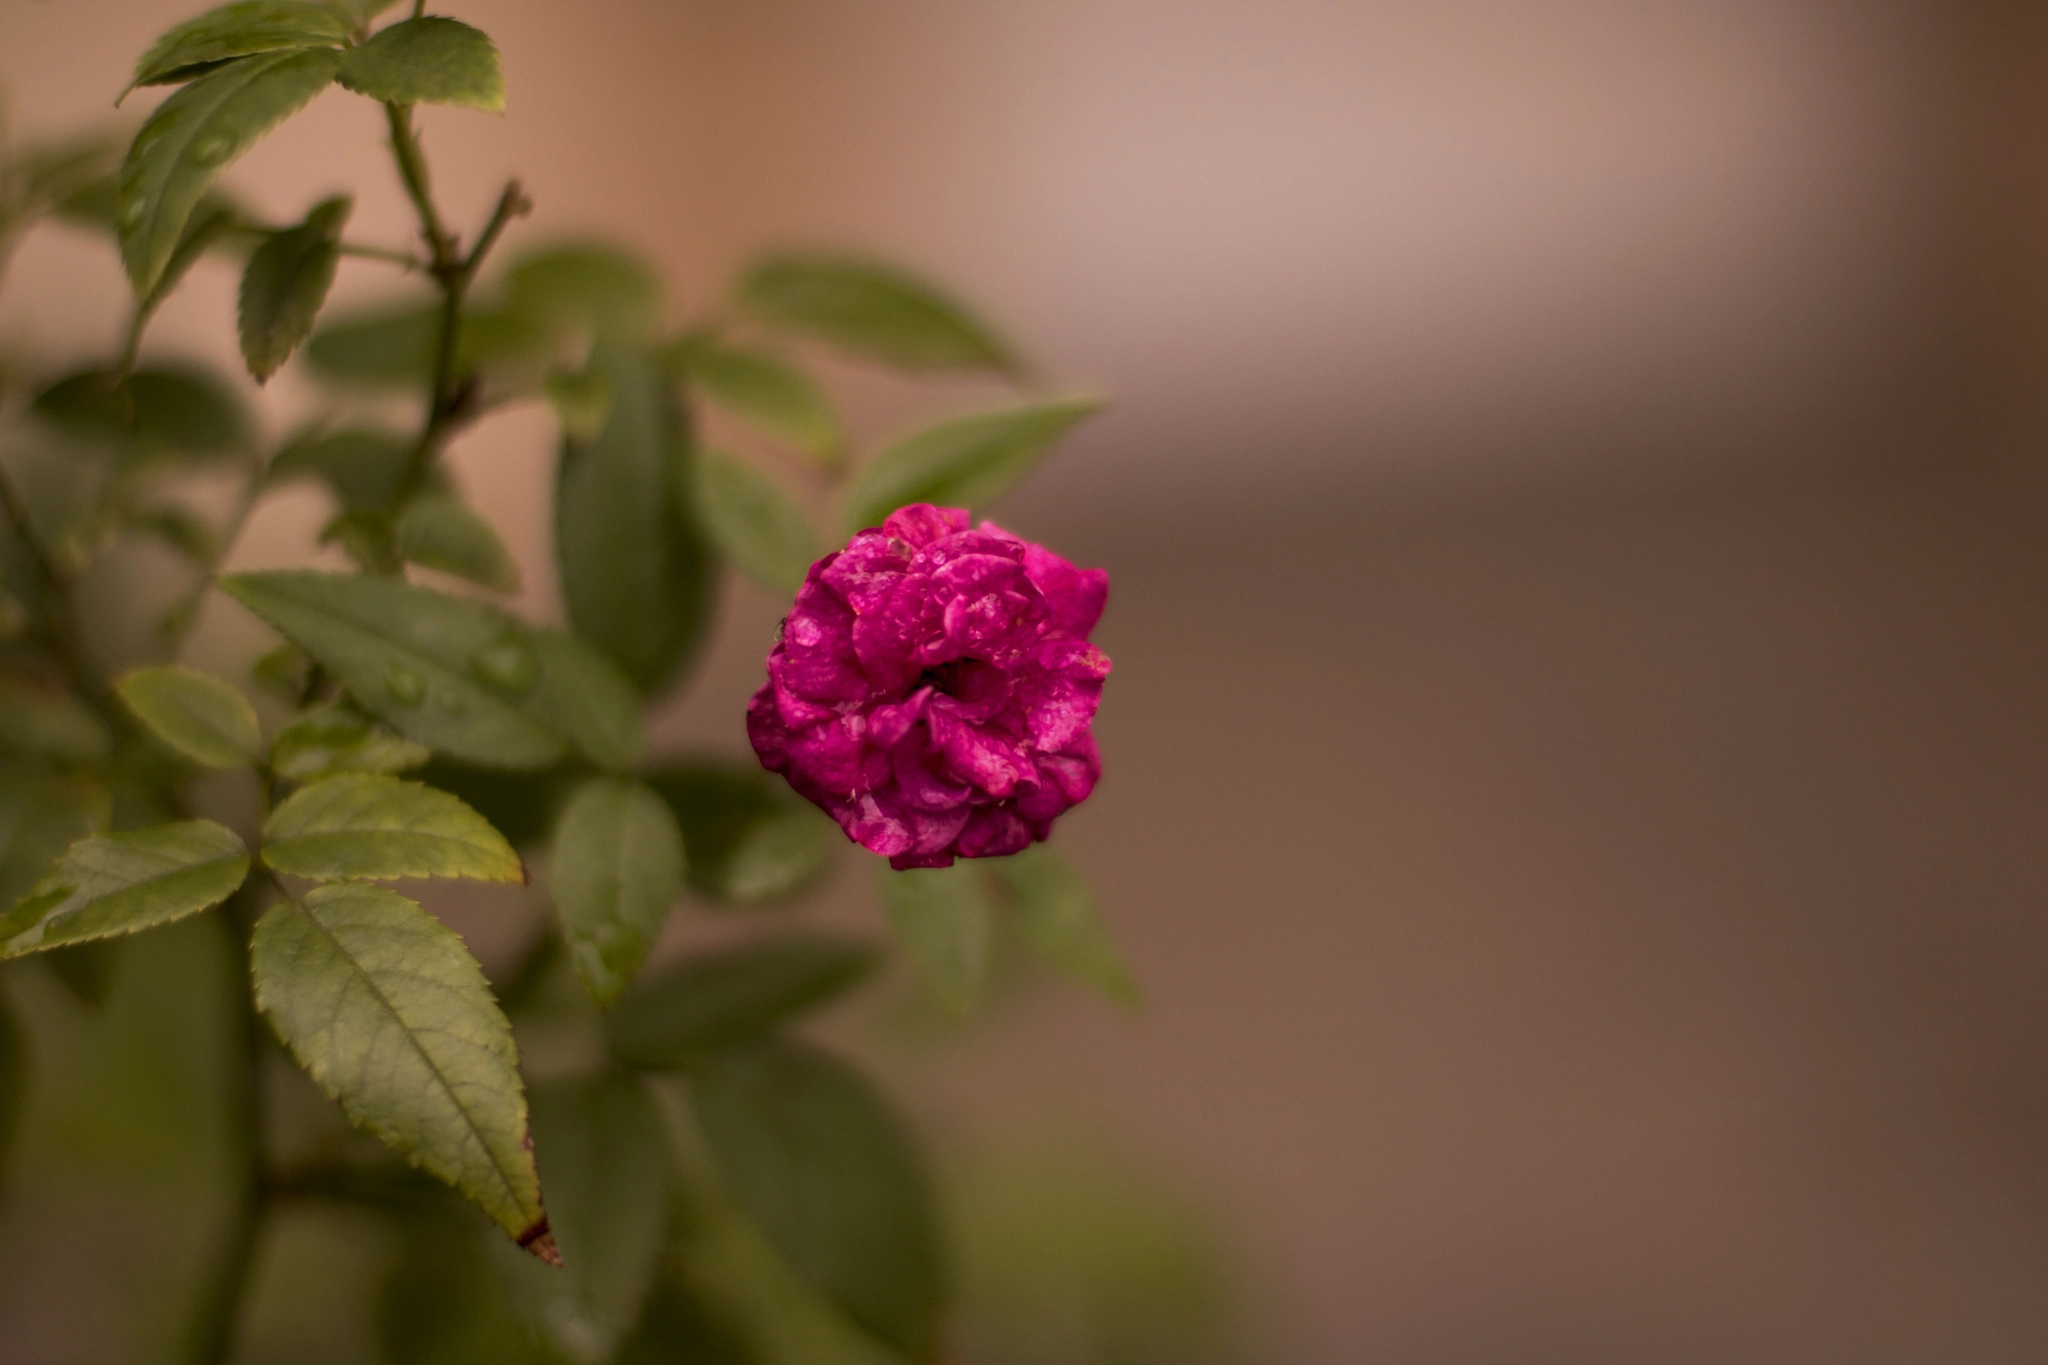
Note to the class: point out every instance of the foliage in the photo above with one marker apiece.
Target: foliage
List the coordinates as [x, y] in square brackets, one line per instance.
[788, 1192]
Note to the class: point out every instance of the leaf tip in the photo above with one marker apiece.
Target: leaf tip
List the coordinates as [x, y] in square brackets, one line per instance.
[540, 1240]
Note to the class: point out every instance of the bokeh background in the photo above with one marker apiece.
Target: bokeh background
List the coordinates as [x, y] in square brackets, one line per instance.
[1575, 497]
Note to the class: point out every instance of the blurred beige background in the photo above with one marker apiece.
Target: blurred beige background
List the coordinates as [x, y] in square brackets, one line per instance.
[1574, 499]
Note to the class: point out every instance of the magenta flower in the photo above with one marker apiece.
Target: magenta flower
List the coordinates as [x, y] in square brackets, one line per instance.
[933, 688]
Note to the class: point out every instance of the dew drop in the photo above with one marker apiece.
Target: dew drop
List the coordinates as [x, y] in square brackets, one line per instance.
[134, 211]
[211, 151]
[507, 664]
[406, 687]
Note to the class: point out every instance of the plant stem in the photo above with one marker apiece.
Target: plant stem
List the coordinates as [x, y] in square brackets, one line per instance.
[211, 1339]
[185, 614]
[448, 402]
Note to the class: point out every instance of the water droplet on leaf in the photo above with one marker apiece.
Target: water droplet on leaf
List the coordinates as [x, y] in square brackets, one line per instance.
[211, 151]
[507, 664]
[405, 685]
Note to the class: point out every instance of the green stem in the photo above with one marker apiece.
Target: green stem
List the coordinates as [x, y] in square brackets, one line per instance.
[185, 614]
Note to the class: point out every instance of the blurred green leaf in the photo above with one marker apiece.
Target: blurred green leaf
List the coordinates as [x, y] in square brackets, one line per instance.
[751, 841]
[108, 884]
[243, 29]
[465, 678]
[333, 739]
[364, 468]
[427, 61]
[872, 310]
[41, 815]
[766, 390]
[441, 1303]
[730, 995]
[357, 826]
[440, 531]
[812, 1151]
[592, 285]
[197, 714]
[195, 133]
[616, 871]
[603, 1152]
[944, 918]
[675, 1328]
[177, 528]
[637, 575]
[282, 671]
[965, 462]
[207, 228]
[285, 283]
[1059, 919]
[582, 402]
[754, 523]
[393, 347]
[387, 1010]
[160, 412]
[368, 538]
[46, 722]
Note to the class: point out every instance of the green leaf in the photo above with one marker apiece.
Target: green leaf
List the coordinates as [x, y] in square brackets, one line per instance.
[198, 715]
[616, 871]
[966, 462]
[751, 841]
[178, 528]
[394, 347]
[441, 531]
[944, 918]
[363, 468]
[244, 29]
[427, 61]
[463, 677]
[282, 672]
[582, 402]
[285, 283]
[590, 285]
[730, 995]
[765, 390]
[603, 1149]
[816, 1156]
[368, 826]
[754, 523]
[520, 806]
[157, 413]
[333, 739]
[873, 310]
[637, 575]
[195, 133]
[44, 722]
[1060, 921]
[445, 1299]
[42, 814]
[387, 1010]
[110, 884]
[208, 225]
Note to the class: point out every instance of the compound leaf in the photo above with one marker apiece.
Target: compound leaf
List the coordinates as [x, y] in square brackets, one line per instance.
[460, 676]
[616, 871]
[387, 1010]
[965, 462]
[812, 1151]
[872, 310]
[108, 884]
[285, 283]
[200, 716]
[195, 133]
[358, 826]
[431, 60]
[754, 523]
[944, 918]
[730, 995]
